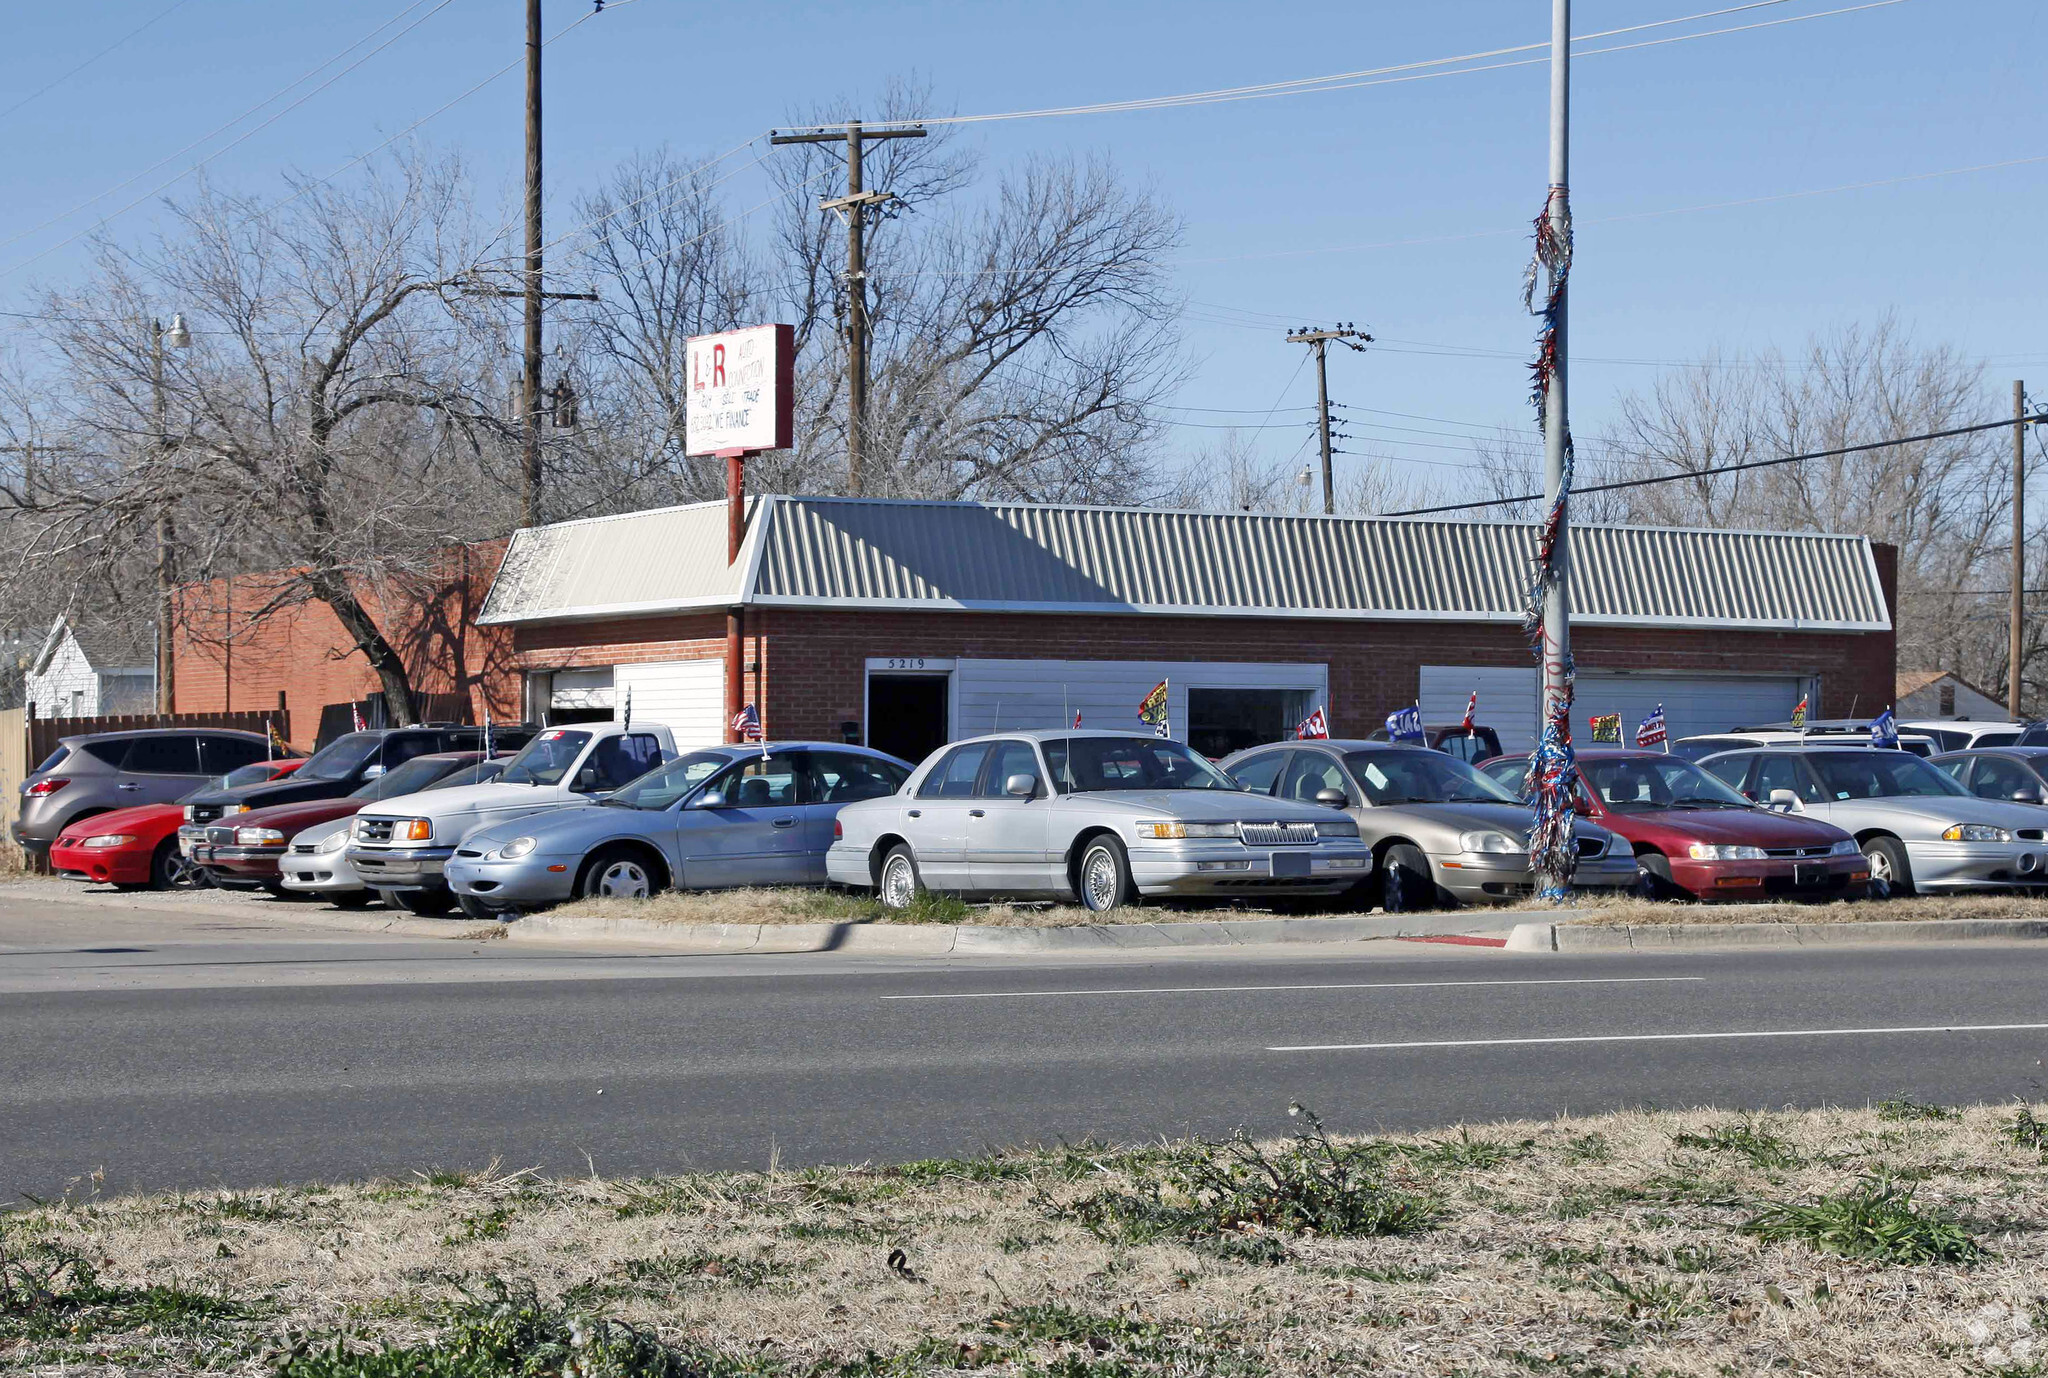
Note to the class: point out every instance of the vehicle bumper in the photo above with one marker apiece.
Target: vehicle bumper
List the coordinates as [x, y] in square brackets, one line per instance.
[240, 865]
[103, 865]
[317, 873]
[1231, 868]
[35, 844]
[846, 865]
[1491, 877]
[1771, 878]
[400, 868]
[1977, 865]
[537, 879]
[191, 837]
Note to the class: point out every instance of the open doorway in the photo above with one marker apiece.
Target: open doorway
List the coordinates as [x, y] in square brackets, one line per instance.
[907, 715]
[1221, 721]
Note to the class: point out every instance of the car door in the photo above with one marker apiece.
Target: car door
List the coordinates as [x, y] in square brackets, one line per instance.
[1258, 774]
[160, 768]
[937, 818]
[1310, 773]
[2004, 779]
[1006, 833]
[839, 778]
[1776, 770]
[755, 835]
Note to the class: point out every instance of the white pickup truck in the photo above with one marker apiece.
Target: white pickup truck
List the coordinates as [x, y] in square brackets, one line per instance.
[399, 846]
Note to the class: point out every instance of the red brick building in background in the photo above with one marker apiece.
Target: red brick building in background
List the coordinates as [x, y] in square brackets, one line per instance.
[228, 659]
[907, 624]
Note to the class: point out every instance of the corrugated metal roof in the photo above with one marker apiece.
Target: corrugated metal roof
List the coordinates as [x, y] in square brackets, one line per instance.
[840, 552]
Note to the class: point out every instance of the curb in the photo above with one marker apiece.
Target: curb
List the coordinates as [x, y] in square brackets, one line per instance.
[1568, 937]
[395, 925]
[939, 940]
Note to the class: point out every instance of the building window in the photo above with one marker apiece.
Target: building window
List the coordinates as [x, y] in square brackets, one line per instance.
[1948, 700]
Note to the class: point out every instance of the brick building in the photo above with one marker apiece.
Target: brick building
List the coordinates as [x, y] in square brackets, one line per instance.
[906, 624]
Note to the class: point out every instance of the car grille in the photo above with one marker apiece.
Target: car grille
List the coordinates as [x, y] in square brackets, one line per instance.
[2030, 834]
[1591, 846]
[466, 851]
[1821, 850]
[302, 849]
[1277, 834]
[206, 813]
[221, 837]
[373, 830]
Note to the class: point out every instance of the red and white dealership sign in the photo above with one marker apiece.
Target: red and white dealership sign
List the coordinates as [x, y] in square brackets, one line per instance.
[742, 387]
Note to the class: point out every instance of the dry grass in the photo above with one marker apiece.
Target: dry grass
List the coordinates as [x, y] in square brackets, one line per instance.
[784, 906]
[1604, 1246]
[1627, 909]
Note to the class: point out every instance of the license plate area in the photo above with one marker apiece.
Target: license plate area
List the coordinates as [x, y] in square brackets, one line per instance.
[1809, 875]
[1290, 865]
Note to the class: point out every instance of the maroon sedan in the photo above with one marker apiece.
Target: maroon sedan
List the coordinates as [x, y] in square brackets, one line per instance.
[1694, 837]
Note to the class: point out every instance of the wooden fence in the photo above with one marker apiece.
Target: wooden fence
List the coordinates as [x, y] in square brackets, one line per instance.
[14, 764]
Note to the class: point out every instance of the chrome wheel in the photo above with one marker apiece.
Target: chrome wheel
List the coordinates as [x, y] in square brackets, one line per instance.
[624, 879]
[899, 881]
[1880, 865]
[1101, 879]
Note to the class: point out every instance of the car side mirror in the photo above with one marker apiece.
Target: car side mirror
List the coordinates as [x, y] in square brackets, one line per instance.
[586, 780]
[1023, 786]
[709, 799]
[2025, 795]
[1331, 798]
[1582, 806]
[372, 771]
[1785, 801]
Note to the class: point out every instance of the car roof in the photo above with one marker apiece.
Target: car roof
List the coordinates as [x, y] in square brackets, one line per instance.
[128, 732]
[1605, 753]
[1043, 734]
[1964, 752]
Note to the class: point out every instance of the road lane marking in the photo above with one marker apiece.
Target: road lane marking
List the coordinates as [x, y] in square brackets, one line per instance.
[1649, 1038]
[1349, 985]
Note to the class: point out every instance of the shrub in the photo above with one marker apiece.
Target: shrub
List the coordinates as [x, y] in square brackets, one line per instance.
[1876, 1221]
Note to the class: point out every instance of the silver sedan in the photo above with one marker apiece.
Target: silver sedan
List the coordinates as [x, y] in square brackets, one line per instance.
[725, 816]
[1099, 817]
[1441, 830]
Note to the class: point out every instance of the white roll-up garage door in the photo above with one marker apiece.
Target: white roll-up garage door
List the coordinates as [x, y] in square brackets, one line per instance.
[686, 696]
[1692, 703]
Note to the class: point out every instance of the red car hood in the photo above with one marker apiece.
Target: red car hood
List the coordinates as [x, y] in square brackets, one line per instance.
[1750, 827]
[291, 818]
[150, 822]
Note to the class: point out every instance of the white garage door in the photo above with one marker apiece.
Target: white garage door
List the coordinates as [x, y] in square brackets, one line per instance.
[685, 696]
[1692, 703]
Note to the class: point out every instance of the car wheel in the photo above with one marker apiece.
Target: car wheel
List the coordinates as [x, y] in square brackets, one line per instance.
[1406, 884]
[1653, 876]
[474, 908]
[1891, 875]
[1104, 876]
[169, 870]
[616, 875]
[899, 884]
[431, 904]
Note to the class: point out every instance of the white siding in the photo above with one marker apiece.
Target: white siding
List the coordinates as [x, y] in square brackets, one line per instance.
[1693, 704]
[1507, 699]
[991, 695]
[685, 696]
[128, 692]
[67, 686]
[1925, 702]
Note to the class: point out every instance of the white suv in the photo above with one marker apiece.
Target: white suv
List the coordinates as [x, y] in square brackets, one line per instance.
[399, 846]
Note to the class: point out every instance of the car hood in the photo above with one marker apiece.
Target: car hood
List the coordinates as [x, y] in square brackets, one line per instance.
[292, 789]
[137, 819]
[1450, 819]
[1198, 805]
[566, 827]
[481, 800]
[290, 818]
[1938, 811]
[1741, 827]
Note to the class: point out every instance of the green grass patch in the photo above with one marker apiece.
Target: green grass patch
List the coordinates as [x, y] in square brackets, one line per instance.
[1899, 1108]
[1746, 1139]
[1877, 1220]
[2027, 1132]
[53, 1300]
[1467, 1153]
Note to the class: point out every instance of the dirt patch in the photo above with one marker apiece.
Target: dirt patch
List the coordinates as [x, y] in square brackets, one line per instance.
[1901, 1239]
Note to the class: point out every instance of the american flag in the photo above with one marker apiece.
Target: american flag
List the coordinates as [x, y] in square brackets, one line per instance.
[746, 724]
[356, 716]
[1077, 717]
[1315, 725]
[1471, 711]
[1650, 731]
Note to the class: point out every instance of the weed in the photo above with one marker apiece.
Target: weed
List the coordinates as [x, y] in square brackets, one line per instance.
[991, 1167]
[1763, 1148]
[1655, 1305]
[929, 906]
[490, 1224]
[851, 1232]
[1899, 1108]
[1087, 1345]
[1588, 1148]
[1875, 1221]
[1391, 1275]
[2027, 1132]
[1467, 1152]
[50, 1292]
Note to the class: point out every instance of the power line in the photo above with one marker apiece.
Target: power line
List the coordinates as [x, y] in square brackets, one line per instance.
[55, 82]
[2036, 419]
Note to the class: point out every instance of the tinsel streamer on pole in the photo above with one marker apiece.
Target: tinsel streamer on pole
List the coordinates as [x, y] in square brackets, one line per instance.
[1553, 768]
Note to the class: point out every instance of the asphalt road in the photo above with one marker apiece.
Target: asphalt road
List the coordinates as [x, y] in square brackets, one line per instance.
[162, 1051]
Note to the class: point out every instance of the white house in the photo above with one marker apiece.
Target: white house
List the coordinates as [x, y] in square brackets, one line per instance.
[1926, 694]
[89, 674]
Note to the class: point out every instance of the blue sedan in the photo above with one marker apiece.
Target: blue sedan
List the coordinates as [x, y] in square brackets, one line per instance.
[716, 818]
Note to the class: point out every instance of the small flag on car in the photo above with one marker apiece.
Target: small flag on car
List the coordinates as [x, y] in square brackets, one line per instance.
[279, 748]
[1471, 712]
[1651, 732]
[1077, 717]
[746, 724]
[1314, 726]
[1884, 730]
[1799, 714]
[1607, 728]
[1405, 725]
[1152, 709]
[356, 716]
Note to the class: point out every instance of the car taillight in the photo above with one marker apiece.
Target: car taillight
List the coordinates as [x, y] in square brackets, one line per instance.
[838, 830]
[43, 787]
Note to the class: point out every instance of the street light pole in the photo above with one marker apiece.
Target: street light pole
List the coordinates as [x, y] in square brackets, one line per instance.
[177, 337]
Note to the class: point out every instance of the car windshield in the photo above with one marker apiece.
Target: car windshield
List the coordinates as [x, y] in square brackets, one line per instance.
[1640, 784]
[663, 785]
[1411, 775]
[1083, 765]
[545, 759]
[482, 773]
[410, 778]
[340, 758]
[1877, 773]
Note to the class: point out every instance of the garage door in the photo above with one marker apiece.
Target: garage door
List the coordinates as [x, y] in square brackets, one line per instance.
[685, 696]
[1692, 703]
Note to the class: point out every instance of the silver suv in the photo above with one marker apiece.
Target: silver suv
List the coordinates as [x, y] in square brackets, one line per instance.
[102, 771]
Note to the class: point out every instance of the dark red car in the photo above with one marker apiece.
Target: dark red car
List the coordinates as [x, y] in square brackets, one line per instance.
[1696, 838]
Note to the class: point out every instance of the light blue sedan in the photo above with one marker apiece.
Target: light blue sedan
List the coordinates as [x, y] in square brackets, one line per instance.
[721, 817]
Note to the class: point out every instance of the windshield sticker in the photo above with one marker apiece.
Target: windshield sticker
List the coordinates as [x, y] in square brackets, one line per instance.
[552, 736]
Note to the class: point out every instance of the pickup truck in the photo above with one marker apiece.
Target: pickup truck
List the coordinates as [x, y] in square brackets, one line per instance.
[399, 846]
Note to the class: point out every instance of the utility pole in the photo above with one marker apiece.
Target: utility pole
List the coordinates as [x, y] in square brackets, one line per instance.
[1319, 340]
[854, 206]
[2017, 629]
[530, 400]
[178, 337]
[1557, 635]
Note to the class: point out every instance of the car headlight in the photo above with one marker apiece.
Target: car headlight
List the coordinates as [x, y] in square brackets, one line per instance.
[1974, 832]
[234, 808]
[258, 837]
[1494, 842]
[412, 830]
[189, 814]
[1726, 851]
[1338, 827]
[1176, 828]
[516, 848]
[1846, 847]
[109, 840]
[331, 843]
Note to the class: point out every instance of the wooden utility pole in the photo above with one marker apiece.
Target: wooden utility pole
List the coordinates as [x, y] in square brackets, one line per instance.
[1319, 340]
[2016, 631]
[854, 206]
[530, 399]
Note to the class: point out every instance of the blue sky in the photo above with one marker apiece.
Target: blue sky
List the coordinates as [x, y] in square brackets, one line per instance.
[1398, 206]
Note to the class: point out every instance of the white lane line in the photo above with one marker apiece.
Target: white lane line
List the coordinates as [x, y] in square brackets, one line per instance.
[1649, 1038]
[1353, 985]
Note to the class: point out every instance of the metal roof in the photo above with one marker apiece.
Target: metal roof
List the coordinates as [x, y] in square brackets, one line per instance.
[1014, 557]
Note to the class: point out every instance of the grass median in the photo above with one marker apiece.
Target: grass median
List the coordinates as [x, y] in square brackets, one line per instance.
[1900, 1239]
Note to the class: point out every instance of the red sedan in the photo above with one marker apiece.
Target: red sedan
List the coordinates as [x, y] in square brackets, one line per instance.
[137, 849]
[1696, 838]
